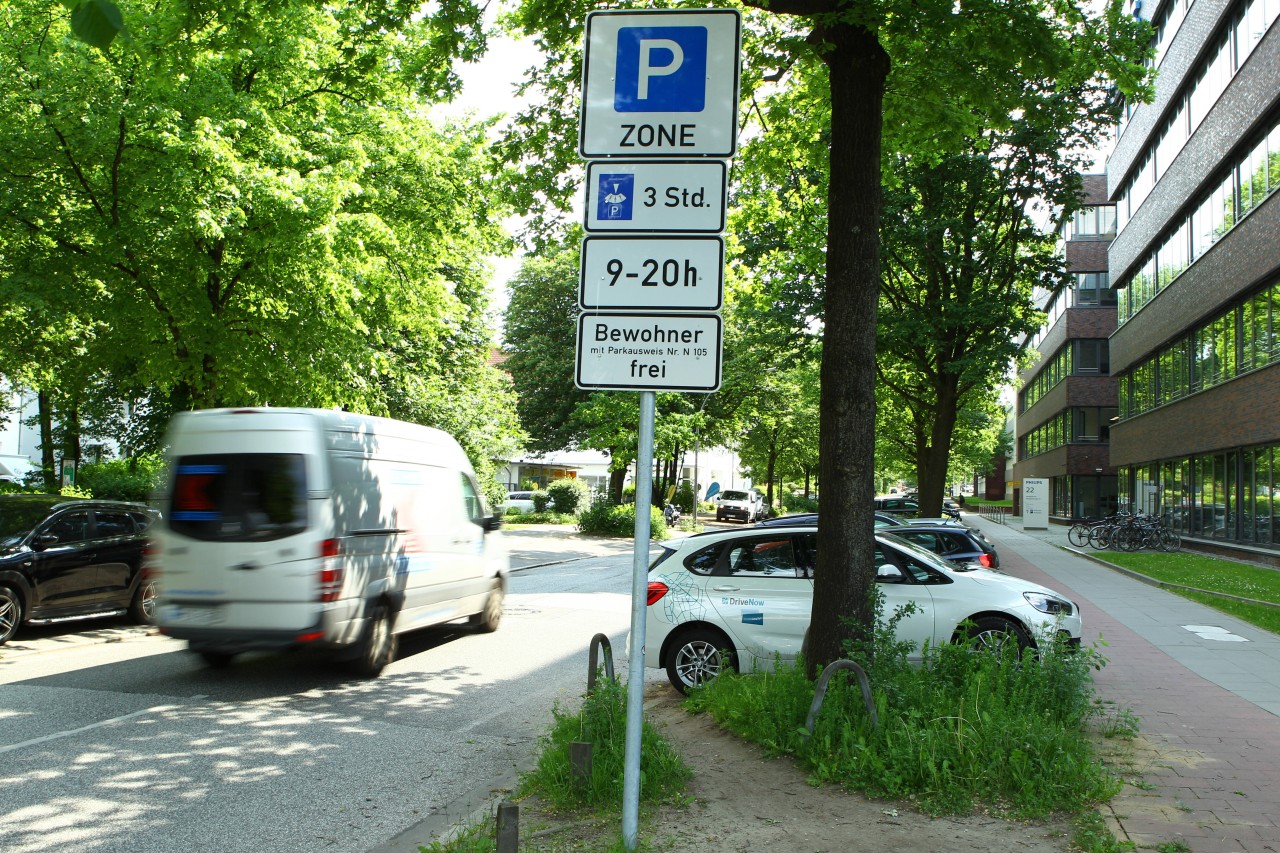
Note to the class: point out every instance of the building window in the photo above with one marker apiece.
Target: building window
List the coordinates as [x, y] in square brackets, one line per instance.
[1093, 223]
[1092, 357]
[1094, 288]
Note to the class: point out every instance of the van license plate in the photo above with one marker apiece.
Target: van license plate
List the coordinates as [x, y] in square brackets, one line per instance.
[191, 614]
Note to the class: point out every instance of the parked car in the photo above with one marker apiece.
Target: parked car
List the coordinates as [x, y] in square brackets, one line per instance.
[62, 557]
[736, 599]
[895, 505]
[953, 542]
[519, 502]
[882, 519]
[747, 506]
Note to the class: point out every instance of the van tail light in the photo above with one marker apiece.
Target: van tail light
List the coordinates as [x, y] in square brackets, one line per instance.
[657, 589]
[984, 560]
[331, 570]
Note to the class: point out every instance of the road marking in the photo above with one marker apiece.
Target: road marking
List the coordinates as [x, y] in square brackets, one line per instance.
[90, 727]
[1213, 632]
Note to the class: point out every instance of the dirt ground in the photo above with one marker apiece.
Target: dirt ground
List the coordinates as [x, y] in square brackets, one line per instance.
[739, 800]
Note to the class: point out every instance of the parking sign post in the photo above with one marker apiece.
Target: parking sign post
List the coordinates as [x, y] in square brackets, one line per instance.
[659, 118]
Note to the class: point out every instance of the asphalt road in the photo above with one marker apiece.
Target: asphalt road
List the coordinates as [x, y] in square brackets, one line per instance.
[117, 739]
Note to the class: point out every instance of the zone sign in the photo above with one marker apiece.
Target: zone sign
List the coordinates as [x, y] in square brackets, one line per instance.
[661, 84]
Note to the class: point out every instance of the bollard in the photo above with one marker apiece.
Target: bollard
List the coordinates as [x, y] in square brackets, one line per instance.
[580, 762]
[597, 642]
[821, 692]
[508, 827]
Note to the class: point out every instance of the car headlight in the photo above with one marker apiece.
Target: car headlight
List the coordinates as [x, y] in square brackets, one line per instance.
[1050, 604]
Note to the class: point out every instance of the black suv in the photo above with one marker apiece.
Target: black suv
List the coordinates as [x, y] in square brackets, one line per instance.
[62, 557]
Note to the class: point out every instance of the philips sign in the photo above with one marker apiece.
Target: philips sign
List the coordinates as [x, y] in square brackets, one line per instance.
[650, 87]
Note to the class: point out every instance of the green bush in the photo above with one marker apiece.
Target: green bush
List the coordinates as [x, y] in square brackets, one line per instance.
[684, 497]
[799, 503]
[603, 519]
[122, 479]
[541, 501]
[568, 495]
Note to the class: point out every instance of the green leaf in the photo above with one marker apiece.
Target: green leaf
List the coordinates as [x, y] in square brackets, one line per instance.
[97, 22]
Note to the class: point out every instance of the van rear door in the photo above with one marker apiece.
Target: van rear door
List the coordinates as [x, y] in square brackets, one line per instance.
[243, 533]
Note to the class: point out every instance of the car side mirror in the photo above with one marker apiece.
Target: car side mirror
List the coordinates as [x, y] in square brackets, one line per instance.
[43, 541]
[889, 572]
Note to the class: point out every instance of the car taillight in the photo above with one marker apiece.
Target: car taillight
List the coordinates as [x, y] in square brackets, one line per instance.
[331, 570]
[984, 560]
[150, 559]
[657, 589]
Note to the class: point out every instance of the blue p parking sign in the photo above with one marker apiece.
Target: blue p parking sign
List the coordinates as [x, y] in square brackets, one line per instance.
[661, 83]
[661, 69]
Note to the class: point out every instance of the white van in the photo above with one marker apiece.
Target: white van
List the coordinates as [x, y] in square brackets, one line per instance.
[308, 528]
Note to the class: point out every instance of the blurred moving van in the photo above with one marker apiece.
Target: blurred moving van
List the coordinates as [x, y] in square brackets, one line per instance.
[309, 528]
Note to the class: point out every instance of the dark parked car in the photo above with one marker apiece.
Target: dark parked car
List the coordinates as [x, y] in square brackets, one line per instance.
[63, 557]
[948, 539]
[806, 518]
[952, 542]
[908, 508]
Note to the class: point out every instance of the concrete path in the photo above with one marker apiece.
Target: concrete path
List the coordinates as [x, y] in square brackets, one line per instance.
[1204, 686]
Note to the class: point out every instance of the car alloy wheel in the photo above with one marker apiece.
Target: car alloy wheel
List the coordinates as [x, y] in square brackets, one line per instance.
[994, 634]
[10, 613]
[698, 657]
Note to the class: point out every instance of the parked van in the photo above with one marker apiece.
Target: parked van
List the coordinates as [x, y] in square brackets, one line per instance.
[307, 528]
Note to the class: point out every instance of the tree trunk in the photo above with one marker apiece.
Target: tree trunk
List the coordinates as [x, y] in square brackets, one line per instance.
[858, 67]
[617, 479]
[71, 429]
[44, 414]
[933, 463]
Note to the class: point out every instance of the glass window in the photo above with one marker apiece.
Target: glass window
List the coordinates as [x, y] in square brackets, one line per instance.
[107, 524]
[239, 497]
[69, 527]
[763, 558]
[704, 561]
[474, 503]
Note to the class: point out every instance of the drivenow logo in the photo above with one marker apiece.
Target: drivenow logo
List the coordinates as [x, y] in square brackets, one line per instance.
[661, 69]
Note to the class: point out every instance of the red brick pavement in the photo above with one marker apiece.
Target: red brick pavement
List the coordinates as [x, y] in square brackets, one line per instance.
[1206, 761]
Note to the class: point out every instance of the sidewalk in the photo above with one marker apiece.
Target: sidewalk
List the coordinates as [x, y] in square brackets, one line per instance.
[1204, 686]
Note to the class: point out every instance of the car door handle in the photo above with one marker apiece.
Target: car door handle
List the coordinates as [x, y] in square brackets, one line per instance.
[725, 588]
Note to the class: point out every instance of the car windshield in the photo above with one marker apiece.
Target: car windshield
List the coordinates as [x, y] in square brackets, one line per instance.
[17, 518]
[734, 496]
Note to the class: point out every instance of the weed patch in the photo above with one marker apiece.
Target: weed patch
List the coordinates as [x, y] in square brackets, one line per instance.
[964, 728]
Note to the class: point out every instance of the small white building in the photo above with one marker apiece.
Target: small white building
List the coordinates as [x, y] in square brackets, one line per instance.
[19, 442]
[704, 467]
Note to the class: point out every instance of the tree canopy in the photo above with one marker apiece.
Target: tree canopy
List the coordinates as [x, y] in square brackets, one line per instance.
[249, 203]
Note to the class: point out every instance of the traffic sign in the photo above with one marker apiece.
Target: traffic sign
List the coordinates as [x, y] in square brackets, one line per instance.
[656, 195]
[660, 84]
[671, 272]
[648, 352]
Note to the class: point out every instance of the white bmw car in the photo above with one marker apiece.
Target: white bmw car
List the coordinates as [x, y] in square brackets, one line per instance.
[750, 593]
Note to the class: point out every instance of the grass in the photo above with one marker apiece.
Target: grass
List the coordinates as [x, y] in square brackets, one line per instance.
[1211, 574]
[963, 730]
[579, 800]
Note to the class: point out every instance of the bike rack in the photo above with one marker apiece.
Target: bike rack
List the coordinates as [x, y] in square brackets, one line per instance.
[821, 692]
[593, 661]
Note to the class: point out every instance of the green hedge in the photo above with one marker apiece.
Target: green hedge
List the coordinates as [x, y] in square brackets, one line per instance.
[603, 519]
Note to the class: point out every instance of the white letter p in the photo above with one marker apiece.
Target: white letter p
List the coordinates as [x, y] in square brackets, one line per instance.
[647, 46]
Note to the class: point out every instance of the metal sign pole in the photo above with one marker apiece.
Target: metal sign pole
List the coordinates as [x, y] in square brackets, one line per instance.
[639, 605]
